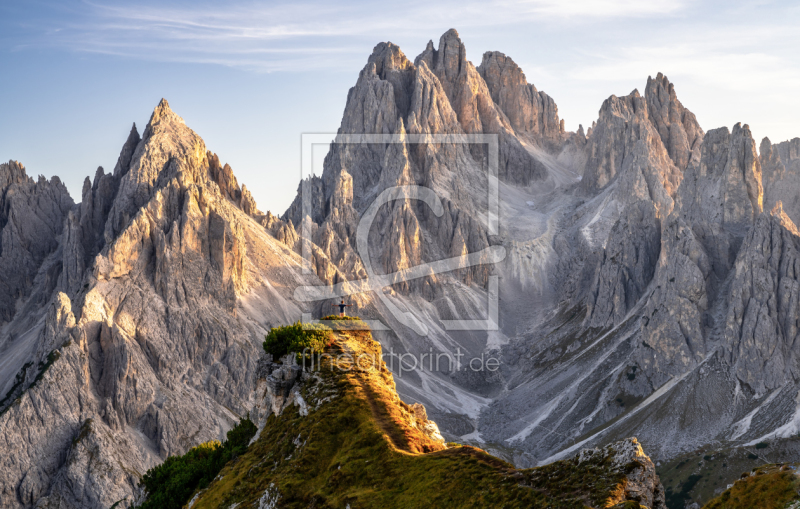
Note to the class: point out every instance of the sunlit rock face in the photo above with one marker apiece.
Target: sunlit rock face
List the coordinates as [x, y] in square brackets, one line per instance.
[138, 316]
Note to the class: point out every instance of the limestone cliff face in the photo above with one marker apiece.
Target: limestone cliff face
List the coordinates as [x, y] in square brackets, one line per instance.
[761, 325]
[676, 125]
[718, 202]
[627, 160]
[626, 148]
[528, 110]
[131, 337]
[628, 264]
[32, 217]
[440, 93]
[780, 164]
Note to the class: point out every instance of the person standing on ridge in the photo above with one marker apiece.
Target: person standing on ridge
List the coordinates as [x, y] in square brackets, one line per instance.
[342, 307]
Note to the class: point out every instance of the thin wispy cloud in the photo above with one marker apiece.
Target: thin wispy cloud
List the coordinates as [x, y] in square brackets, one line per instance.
[739, 58]
[291, 36]
[597, 9]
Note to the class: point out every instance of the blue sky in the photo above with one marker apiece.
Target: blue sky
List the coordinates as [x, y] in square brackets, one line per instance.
[250, 77]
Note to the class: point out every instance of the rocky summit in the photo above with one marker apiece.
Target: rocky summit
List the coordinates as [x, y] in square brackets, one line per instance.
[640, 278]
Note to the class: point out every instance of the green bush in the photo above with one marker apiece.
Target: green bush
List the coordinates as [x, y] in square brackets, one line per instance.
[171, 484]
[296, 338]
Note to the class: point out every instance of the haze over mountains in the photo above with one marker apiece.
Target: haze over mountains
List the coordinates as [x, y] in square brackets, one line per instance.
[650, 285]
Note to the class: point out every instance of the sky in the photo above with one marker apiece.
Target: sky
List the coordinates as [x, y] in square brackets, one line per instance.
[251, 77]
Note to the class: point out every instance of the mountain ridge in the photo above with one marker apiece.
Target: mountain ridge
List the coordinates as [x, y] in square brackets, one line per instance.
[388, 454]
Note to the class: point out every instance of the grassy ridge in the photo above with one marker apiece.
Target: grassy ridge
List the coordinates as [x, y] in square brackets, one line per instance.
[767, 487]
[358, 446]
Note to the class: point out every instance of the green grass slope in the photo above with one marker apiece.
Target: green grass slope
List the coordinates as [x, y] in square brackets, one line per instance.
[774, 486]
[358, 447]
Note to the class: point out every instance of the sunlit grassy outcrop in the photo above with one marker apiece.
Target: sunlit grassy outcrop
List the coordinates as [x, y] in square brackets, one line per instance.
[767, 487]
[360, 446]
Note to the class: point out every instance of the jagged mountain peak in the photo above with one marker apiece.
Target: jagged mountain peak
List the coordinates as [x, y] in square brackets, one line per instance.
[625, 142]
[388, 56]
[451, 54]
[392, 65]
[12, 172]
[163, 111]
[450, 46]
[528, 110]
[138, 289]
[125, 155]
[32, 216]
[168, 149]
[677, 126]
[621, 105]
[164, 119]
[510, 73]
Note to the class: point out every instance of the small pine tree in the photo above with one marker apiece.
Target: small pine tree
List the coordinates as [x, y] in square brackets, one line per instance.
[172, 483]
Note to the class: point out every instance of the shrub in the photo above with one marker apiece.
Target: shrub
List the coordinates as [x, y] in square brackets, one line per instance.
[347, 323]
[296, 338]
[171, 484]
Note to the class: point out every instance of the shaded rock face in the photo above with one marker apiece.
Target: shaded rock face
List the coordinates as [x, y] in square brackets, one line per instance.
[761, 324]
[628, 265]
[780, 164]
[642, 483]
[677, 126]
[723, 194]
[32, 217]
[628, 167]
[718, 201]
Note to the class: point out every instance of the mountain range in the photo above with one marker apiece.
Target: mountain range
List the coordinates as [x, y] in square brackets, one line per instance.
[640, 278]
